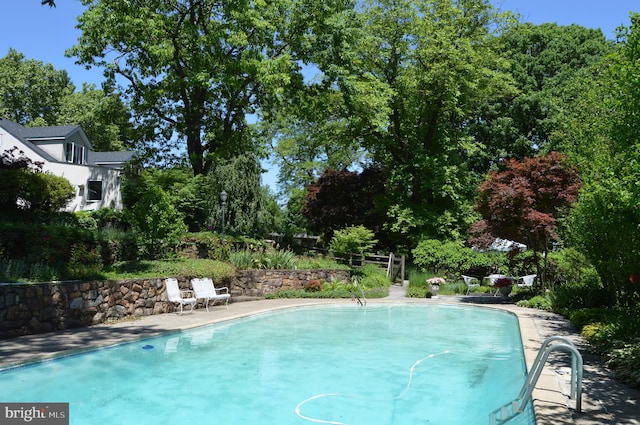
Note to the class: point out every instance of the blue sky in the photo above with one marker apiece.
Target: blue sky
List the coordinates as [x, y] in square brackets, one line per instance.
[44, 33]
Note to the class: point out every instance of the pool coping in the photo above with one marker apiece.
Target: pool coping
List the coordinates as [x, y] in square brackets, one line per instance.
[550, 396]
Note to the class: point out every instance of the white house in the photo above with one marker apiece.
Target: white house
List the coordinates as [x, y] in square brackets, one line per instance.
[66, 151]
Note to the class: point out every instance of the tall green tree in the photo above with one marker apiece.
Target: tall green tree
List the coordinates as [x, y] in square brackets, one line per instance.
[102, 115]
[543, 60]
[249, 206]
[36, 94]
[195, 70]
[308, 135]
[30, 91]
[605, 224]
[435, 61]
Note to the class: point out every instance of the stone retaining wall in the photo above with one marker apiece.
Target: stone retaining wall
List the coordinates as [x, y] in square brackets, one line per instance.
[258, 283]
[47, 307]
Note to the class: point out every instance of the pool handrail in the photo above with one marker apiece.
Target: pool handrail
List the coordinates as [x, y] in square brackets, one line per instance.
[508, 411]
[362, 300]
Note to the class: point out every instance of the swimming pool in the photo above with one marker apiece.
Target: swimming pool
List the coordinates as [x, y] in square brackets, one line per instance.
[384, 364]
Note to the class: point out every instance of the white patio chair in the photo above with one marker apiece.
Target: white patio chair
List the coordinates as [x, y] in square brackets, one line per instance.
[204, 289]
[527, 281]
[176, 295]
[468, 280]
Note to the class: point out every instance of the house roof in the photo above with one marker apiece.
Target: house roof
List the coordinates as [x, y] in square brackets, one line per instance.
[52, 132]
[21, 133]
[106, 158]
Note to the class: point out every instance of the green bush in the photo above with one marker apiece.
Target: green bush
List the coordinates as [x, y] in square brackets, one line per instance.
[419, 288]
[152, 215]
[371, 279]
[576, 296]
[614, 332]
[451, 258]
[568, 266]
[352, 241]
[20, 270]
[85, 262]
[586, 316]
[272, 259]
[418, 292]
[625, 361]
[371, 276]
[539, 301]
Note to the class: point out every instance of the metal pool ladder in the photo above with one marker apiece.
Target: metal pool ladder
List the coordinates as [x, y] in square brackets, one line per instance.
[362, 300]
[560, 343]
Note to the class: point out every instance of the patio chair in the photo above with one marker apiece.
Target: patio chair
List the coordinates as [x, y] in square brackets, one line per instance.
[177, 295]
[527, 281]
[468, 281]
[203, 288]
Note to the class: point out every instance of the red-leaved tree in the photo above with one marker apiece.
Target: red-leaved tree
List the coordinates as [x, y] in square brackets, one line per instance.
[524, 201]
[339, 199]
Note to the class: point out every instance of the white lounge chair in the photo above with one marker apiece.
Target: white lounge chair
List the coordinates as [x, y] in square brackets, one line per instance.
[468, 280]
[203, 288]
[177, 295]
[527, 281]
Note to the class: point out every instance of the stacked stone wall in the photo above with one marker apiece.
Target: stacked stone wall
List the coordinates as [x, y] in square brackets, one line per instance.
[47, 307]
[259, 283]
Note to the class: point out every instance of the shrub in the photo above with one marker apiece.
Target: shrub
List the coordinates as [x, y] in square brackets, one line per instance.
[540, 302]
[85, 262]
[568, 266]
[273, 259]
[453, 259]
[371, 276]
[20, 270]
[352, 241]
[153, 216]
[576, 296]
[418, 292]
[312, 286]
[600, 335]
[586, 316]
[625, 361]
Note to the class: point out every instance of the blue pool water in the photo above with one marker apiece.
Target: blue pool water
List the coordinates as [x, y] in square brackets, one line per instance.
[379, 365]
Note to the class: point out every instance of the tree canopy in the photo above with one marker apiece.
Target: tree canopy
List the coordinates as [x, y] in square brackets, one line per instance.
[36, 94]
[605, 115]
[194, 71]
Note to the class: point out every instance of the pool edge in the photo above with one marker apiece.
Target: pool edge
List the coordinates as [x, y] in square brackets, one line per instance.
[549, 401]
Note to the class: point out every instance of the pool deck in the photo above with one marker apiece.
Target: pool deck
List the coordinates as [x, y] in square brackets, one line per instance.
[604, 400]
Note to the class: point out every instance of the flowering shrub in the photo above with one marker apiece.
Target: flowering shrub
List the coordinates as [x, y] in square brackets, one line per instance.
[436, 281]
[313, 285]
[503, 281]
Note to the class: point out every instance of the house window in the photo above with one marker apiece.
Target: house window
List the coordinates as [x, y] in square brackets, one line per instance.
[68, 152]
[78, 157]
[94, 190]
[74, 153]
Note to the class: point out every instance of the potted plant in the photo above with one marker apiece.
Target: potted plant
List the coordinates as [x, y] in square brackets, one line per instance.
[434, 284]
[504, 285]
